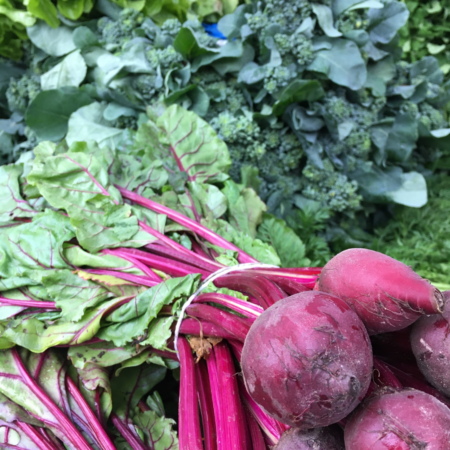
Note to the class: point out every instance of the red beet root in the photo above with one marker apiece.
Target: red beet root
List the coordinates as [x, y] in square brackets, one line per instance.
[307, 360]
[385, 293]
[430, 340]
[399, 420]
[317, 439]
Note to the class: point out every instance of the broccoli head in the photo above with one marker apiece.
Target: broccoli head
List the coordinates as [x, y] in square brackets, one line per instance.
[115, 34]
[21, 92]
[332, 189]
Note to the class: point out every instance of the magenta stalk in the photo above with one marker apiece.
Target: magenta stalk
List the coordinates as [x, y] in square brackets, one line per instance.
[206, 406]
[229, 322]
[73, 435]
[36, 437]
[232, 416]
[189, 433]
[98, 432]
[202, 231]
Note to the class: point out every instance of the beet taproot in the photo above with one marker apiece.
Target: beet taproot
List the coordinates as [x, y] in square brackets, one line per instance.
[386, 294]
[329, 438]
[430, 341]
[307, 360]
[399, 420]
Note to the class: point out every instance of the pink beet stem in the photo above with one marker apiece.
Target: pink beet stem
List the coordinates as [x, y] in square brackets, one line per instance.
[216, 316]
[73, 435]
[172, 268]
[217, 401]
[248, 309]
[189, 421]
[102, 438]
[36, 437]
[232, 416]
[202, 231]
[202, 328]
[256, 435]
[206, 406]
[131, 438]
[266, 292]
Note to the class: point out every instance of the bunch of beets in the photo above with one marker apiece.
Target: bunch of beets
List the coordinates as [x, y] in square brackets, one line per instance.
[351, 356]
[358, 362]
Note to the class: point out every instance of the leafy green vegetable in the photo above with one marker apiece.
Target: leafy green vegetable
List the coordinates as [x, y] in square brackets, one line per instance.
[426, 32]
[419, 237]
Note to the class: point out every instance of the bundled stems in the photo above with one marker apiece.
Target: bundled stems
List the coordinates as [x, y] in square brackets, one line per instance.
[216, 316]
[256, 436]
[189, 421]
[73, 435]
[100, 435]
[217, 401]
[134, 441]
[197, 228]
[259, 287]
[171, 267]
[245, 308]
[233, 419]
[203, 328]
[35, 436]
[206, 406]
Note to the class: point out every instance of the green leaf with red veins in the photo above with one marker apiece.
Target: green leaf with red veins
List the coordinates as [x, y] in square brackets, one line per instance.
[72, 293]
[11, 411]
[132, 384]
[132, 320]
[72, 180]
[208, 199]
[13, 386]
[88, 381]
[104, 354]
[79, 258]
[11, 436]
[39, 244]
[37, 336]
[4, 342]
[194, 145]
[149, 357]
[49, 371]
[13, 205]
[157, 431]
[82, 188]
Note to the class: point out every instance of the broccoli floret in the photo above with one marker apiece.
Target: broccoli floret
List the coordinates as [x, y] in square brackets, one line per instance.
[21, 92]
[283, 42]
[258, 21]
[431, 117]
[289, 14]
[302, 48]
[359, 142]
[171, 27]
[352, 20]
[337, 107]
[410, 108]
[116, 34]
[145, 85]
[276, 78]
[126, 122]
[163, 58]
[330, 188]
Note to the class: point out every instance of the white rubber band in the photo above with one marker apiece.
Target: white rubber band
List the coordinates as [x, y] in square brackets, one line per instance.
[211, 278]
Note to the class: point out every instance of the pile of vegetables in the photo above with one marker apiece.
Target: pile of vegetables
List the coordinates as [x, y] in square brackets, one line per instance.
[306, 133]
[147, 301]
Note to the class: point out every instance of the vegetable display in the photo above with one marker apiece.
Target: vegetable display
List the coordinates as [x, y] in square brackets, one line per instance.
[107, 319]
[224, 225]
[304, 131]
